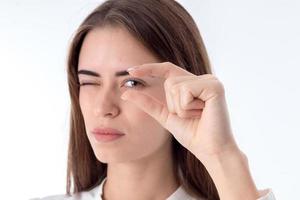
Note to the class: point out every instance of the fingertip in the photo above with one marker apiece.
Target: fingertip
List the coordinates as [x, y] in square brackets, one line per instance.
[124, 96]
[130, 69]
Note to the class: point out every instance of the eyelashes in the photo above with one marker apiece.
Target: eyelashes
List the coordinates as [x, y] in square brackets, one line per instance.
[136, 82]
[139, 83]
[83, 84]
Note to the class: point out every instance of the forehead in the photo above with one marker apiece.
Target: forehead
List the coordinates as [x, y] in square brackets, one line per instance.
[112, 49]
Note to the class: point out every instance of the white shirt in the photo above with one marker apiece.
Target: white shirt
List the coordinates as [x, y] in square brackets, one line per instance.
[179, 194]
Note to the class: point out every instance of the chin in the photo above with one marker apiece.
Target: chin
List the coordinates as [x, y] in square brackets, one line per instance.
[108, 156]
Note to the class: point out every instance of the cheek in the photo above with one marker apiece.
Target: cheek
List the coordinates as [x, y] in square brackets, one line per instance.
[84, 103]
[153, 133]
[144, 127]
[85, 95]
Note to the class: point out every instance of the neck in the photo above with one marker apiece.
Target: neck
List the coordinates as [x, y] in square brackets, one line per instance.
[150, 177]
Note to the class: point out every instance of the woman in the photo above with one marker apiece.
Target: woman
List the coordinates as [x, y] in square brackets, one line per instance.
[159, 130]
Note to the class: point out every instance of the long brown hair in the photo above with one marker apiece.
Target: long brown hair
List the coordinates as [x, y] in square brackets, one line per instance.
[169, 32]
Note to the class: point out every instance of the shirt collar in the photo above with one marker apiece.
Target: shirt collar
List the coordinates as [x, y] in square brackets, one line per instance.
[179, 194]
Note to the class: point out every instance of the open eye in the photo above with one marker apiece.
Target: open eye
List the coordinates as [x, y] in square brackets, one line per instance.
[134, 83]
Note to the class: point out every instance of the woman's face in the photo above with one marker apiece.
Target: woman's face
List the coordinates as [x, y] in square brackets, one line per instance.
[106, 51]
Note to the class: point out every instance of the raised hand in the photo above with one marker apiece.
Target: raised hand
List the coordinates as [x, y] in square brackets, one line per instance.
[195, 110]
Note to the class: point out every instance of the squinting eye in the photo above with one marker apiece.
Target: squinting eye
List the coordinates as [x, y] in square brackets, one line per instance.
[83, 84]
[133, 82]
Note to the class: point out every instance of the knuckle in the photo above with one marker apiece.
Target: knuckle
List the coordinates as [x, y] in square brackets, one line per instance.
[169, 82]
[167, 63]
[213, 77]
[219, 87]
[207, 76]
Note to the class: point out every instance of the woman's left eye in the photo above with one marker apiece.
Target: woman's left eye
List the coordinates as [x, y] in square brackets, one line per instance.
[133, 83]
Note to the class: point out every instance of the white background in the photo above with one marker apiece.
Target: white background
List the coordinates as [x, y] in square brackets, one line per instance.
[254, 48]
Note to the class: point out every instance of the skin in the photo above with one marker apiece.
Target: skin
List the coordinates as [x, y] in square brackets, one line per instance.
[143, 155]
[176, 103]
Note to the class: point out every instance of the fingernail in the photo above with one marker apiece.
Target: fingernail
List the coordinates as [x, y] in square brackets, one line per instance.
[131, 69]
[124, 96]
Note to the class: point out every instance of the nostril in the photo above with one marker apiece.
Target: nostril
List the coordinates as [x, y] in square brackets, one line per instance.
[106, 111]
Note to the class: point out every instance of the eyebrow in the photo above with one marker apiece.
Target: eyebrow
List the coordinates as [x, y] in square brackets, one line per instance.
[92, 73]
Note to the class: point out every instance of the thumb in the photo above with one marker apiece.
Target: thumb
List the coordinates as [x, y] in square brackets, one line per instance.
[148, 104]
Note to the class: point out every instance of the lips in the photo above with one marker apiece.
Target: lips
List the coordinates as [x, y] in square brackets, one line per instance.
[105, 135]
[107, 131]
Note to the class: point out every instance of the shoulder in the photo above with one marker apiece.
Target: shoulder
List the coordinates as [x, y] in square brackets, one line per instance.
[85, 195]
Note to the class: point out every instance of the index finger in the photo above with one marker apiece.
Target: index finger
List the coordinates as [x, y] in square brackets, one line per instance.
[162, 70]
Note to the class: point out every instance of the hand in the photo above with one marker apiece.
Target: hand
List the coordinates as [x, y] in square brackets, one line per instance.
[195, 111]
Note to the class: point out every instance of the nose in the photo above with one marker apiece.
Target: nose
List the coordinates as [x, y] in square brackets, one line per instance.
[106, 104]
